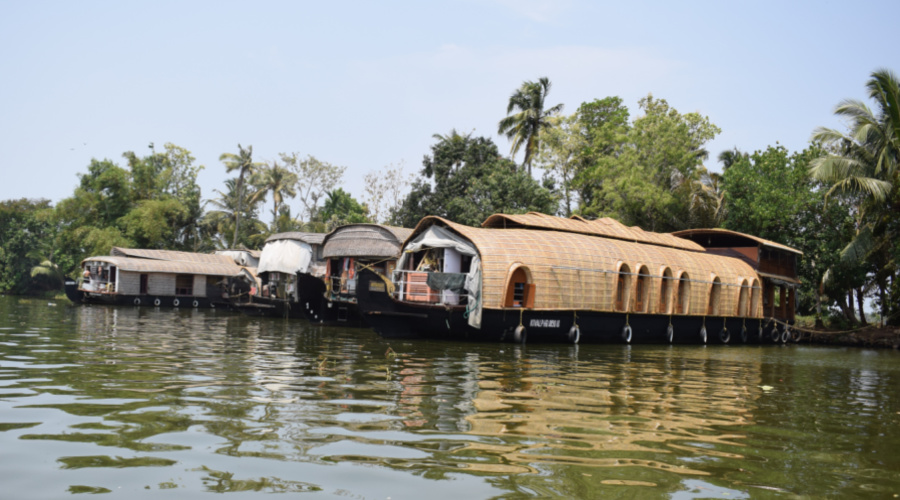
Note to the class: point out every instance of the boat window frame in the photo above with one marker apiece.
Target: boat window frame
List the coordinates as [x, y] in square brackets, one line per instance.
[714, 296]
[622, 289]
[664, 304]
[682, 302]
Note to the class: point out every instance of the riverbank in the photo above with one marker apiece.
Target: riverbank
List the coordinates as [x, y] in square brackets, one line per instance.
[870, 336]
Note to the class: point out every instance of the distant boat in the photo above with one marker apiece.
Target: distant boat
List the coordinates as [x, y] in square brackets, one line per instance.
[284, 257]
[574, 280]
[156, 278]
[331, 299]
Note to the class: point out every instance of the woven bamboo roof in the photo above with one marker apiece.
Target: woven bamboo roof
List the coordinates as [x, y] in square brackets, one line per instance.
[578, 270]
[144, 265]
[170, 255]
[734, 236]
[606, 227]
[365, 240]
[308, 238]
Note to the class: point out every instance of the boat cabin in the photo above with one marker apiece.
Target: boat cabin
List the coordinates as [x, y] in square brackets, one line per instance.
[775, 263]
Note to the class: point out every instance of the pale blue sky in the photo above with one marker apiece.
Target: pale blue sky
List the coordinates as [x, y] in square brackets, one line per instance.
[367, 84]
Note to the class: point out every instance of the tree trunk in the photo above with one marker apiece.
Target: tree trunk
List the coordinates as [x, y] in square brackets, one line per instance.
[237, 217]
[862, 312]
[819, 322]
[851, 306]
[845, 310]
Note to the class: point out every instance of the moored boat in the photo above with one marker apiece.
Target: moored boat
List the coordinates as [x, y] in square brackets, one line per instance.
[284, 257]
[160, 278]
[573, 280]
[331, 299]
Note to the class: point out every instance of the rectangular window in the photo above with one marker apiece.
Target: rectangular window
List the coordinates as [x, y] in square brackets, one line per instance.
[144, 286]
[184, 284]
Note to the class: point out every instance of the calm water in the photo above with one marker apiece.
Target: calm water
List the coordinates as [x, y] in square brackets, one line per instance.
[138, 402]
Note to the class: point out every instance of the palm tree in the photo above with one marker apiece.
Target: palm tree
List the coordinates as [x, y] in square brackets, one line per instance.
[523, 128]
[864, 163]
[243, 162]
[707, 207]
[279, 181]
[222, 220]
[731, 156]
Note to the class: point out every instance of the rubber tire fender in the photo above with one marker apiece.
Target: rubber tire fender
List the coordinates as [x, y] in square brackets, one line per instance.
[520, 335]
[670, 333]
[703, 334]
[156, 302]
[574, 334]
[626, 334]
[724, 335]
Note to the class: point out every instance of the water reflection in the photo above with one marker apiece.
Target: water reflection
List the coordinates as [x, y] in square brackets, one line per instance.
[206, 400]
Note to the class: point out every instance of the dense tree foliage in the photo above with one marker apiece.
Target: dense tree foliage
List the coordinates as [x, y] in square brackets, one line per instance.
[26, 233]
[770, 194]
[465, 179]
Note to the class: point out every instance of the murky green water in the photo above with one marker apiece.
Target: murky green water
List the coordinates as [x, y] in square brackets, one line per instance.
[138, 402]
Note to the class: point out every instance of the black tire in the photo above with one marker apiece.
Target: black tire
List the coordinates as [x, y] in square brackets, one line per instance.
[520, 335]
[703, 335]
[574, 334]
[724, 335]
[670, 333]
[626, 334]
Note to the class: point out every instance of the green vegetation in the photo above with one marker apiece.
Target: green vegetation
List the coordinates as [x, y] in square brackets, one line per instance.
[837, 200]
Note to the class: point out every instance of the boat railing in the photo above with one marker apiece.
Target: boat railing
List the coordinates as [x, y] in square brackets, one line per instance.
[95, 285]
[413, 286]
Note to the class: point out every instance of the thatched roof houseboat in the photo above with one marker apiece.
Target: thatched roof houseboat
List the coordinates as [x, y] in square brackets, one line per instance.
[283, 257]
[574, 279]
[155, 278]
[331, 299]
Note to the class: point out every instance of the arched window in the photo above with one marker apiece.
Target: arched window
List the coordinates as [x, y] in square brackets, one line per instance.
[683, 294]
[642, 290]
[623, 285]
[743, 307]
[665, 291]
[754, 298]
[715, 294]
[519, 289]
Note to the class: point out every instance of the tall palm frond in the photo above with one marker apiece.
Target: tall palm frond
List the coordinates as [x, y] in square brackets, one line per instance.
[523, 128]
[243, 162]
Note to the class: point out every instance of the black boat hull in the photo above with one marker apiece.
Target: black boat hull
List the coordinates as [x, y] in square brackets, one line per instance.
[392, 318]
[321, 311]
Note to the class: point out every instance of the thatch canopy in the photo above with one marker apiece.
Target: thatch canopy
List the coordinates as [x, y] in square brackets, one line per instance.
[308, 238]
[724, 237]
[144, 265]
[606, 227]
[365, 241]
[170, 255]
[579, 269]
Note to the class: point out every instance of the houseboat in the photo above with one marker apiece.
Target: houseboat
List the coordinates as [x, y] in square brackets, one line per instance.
[283, 258]
[331, 299]
[160, 278]
[574, 280]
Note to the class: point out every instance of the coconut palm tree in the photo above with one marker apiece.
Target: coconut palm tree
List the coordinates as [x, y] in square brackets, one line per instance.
[243, 162]
[865, 163]
[221, 221]
[279, 181]
[523, 128]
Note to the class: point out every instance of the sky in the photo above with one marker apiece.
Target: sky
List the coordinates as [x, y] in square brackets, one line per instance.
[367, 84]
